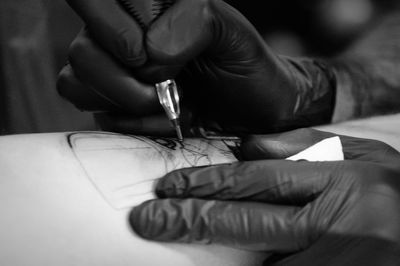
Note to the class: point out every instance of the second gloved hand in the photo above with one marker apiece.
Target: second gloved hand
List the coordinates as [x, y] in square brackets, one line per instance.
[306, 213]
[229, 78]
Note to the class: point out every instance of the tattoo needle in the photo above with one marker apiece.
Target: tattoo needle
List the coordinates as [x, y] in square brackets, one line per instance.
[169, 99]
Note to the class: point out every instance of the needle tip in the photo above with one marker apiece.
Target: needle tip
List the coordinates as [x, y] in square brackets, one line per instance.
[179, 133]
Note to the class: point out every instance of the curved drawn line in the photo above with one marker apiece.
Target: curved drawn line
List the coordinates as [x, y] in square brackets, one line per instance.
[134, 184]
[116, 149]
[136, 195]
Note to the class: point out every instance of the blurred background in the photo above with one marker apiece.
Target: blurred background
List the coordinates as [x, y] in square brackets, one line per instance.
[35, 36]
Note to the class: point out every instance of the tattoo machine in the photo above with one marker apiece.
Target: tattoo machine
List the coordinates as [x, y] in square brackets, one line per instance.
[145, 12]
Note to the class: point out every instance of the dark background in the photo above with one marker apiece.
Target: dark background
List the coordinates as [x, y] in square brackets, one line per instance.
[35, 36]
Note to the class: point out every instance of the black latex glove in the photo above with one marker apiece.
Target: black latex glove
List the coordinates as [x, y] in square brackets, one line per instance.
[307, 213]
[226, 73]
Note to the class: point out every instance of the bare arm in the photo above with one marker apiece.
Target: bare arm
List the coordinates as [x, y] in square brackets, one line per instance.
[66, 196]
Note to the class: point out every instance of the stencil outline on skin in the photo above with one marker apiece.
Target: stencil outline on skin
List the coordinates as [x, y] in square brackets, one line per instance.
[109, 159]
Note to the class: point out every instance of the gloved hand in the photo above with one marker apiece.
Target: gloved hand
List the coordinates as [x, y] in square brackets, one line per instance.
[229, 78]
[306, 213]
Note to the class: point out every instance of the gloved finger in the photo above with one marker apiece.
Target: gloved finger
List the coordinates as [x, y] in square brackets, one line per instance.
[344, 250]
[272, 181]
[368, 150]
[92, 65]
[113, 28]
[84, 98]
[154, 125]
[247, 225]
[281, 145]
[181, 33]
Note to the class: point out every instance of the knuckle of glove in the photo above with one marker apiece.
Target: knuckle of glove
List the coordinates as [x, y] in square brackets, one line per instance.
[129, 49]
[80, 55]
[254, 147]
[65, 87]
[189, 33]
[374, 150]
[382, 146]
[207, 7]
[372, 177]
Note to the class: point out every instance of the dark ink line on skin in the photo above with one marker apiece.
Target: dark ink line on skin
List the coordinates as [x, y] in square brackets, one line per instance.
[182, 144]
[117, 149]
[176, 145]
[70, 136]
[171, 144]
[165, 142]
[69, 141]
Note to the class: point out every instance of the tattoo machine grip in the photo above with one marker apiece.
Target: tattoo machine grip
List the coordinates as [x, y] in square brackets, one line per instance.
[145, 12]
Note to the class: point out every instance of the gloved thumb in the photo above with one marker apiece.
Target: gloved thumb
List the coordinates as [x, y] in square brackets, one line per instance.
[281, 145]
